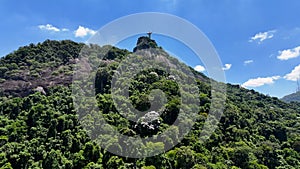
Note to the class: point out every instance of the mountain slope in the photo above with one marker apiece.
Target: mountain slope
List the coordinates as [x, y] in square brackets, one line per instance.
[42, 130]
[292, 97]
[45, 64]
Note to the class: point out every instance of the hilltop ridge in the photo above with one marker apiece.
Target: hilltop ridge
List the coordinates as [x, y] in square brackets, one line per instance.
[293, 97]
[145, 42]
[40, 127]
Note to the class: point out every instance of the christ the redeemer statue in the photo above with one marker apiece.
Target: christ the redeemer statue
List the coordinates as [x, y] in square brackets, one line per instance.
[149, 35]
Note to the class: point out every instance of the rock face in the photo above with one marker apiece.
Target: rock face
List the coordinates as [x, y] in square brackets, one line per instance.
[40, 89]
[149, 123]
[27, 85]
[145, 43]
[38, 67]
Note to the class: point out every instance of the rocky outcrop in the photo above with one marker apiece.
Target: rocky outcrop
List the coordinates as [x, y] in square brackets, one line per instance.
[145, 43]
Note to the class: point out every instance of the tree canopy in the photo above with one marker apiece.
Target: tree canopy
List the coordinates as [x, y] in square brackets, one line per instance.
[42, 129]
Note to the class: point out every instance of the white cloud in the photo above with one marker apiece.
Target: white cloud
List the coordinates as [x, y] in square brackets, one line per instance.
[294, 75]
[227, 66]
[199, 68]
[261, 36]
[64, 29]
[246, 62]
[49, 27]
[289, 53]
[82, 32]
[260, 81]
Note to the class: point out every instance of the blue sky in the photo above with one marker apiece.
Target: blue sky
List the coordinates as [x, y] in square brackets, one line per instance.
[257, 41]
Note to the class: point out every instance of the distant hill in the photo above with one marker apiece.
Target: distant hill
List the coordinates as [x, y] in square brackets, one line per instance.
[39, 65]
[292, 97]
[40, 128]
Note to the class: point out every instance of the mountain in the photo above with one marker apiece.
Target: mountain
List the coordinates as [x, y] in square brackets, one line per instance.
[292, 97]
[43, 65]
[40, 126]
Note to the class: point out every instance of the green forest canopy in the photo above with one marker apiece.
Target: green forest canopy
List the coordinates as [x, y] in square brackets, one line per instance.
[41, 129]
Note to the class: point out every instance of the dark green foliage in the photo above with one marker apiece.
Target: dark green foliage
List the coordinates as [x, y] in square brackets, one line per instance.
[43, 131]
[145, 43]
[45, 64]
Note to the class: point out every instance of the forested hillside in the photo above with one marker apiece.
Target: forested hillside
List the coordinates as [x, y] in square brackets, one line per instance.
[40, 128]
[292, 97]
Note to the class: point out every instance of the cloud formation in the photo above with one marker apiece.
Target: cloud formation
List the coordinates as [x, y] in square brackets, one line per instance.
[260, 81]
[79, 32]
[227, 66]
[199, 68]
[64, 29]
[246, 62]
[261, 36]
[289, 53]
[50, 27]
[82, 32]
[294, 75]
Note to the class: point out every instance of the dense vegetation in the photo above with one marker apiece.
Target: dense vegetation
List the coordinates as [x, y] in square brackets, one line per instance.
[41, 129]
[294, 97]
[42, 65]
